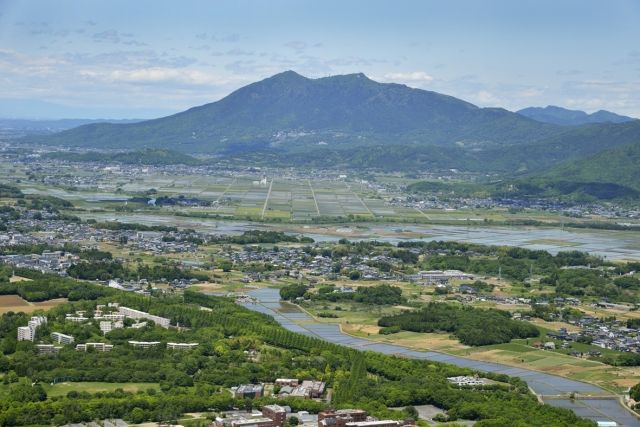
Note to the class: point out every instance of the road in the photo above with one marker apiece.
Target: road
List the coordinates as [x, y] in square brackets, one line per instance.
[603, 408]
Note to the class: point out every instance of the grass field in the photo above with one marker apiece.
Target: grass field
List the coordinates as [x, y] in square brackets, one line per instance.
[16, 304]
[61, 389]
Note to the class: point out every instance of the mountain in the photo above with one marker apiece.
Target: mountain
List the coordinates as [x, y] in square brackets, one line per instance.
[564, 117]
[353, 121]
[289, 110]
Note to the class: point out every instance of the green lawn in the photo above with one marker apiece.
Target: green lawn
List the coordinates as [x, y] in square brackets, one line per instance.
[61, 389]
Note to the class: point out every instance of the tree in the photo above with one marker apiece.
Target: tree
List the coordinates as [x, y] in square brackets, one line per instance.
[293, 421]
[634, 392]
[225, 265]
[137, 415]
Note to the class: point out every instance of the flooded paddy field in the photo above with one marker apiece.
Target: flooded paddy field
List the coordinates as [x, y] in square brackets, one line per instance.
[615, 245]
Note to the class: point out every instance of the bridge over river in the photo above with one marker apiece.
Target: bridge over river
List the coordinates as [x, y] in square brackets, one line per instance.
[554, 390]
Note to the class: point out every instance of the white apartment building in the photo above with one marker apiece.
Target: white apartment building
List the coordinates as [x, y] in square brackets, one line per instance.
[137, 314]
[181, 345]
[62, 338]
[144, 344]
[26, 333]
[98, 346]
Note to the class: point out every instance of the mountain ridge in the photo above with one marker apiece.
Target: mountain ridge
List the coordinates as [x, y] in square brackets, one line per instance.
[565, 117]
[336, 109]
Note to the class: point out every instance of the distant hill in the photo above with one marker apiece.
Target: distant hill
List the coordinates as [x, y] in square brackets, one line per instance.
[51, 126]
[353, 121]
[613, 172]
[564, 117]
[607, 175]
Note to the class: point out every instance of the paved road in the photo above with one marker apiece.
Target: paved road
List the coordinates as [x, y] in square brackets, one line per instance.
[597, 409]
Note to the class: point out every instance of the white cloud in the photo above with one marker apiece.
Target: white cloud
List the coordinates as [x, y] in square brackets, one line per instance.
[410, 77]
[531, 92]
[157, 75]
[484, 98]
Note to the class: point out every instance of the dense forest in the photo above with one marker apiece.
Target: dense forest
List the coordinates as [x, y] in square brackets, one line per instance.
[472, 326]
[372, 295]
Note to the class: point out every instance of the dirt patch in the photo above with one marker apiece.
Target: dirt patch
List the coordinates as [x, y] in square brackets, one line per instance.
[15, 303]
[366, 329]
[12, 303]
[15, 279]
[626, 382]
[555, 326]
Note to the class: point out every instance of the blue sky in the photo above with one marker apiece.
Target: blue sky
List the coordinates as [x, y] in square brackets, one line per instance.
[143, 59]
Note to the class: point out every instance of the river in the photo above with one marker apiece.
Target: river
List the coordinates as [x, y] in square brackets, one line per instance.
[595, 408]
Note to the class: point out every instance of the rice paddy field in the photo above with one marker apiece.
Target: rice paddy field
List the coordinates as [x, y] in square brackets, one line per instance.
[275, 198]
[321, 208]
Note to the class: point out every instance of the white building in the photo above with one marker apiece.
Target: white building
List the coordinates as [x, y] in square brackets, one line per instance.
[137, 314]
[144, 344]
[26, 333]
[62, 338]
[47, 348]
[75, 319]
[108, 326]
[114, 317]
[181, 345]
[98, 346]
[439, 276]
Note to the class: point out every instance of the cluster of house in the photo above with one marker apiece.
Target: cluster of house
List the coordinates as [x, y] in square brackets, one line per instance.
[56, 232]
[47, 262]
[276, 416]
[608, 334]
[452, 202]
[293, 260]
